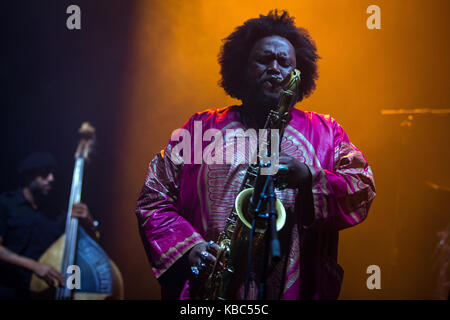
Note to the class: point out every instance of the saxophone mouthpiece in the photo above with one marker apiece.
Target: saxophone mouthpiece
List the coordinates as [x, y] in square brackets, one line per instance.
[293, 76]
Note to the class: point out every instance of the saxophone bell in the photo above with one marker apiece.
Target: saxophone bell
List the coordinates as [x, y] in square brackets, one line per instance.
[242, 205]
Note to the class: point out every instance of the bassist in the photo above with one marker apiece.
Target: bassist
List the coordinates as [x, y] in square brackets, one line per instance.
[28, 227]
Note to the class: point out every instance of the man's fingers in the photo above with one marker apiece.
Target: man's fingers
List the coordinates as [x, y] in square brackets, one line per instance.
[203, 259]
[203, 256]
[77, 213]
[207, 257]
[48, 277]
[59, 277]
[80, 209]
[80, 205]
[55, 274]
[284, 160]
[49, 281]
[212, 248]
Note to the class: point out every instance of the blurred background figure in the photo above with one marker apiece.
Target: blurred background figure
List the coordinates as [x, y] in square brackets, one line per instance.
[29, 224]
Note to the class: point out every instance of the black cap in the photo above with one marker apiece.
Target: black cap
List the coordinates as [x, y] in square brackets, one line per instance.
[37, 161]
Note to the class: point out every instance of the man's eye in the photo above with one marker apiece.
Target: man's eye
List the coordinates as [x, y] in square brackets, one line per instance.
[263, 60]
[284, 63]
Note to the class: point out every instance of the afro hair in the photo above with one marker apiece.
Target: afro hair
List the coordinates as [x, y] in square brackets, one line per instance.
[236, 48]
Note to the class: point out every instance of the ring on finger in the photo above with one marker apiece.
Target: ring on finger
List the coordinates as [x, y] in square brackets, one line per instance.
[195, 271]
[204, 255]
[210, 243]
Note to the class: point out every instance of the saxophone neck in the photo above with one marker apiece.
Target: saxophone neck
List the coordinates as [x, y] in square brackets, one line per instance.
[288, 96]
[279, 116]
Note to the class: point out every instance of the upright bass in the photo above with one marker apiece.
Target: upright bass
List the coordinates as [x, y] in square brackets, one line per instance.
[75, 253]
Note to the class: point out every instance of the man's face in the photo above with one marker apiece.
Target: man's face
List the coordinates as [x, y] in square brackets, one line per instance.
[270, 61]
[42, 184]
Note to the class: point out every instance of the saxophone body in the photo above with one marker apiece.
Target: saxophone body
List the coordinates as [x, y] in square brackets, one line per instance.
[226, 277]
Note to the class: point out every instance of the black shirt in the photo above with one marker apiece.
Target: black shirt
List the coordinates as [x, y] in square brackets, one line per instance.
[27, 232]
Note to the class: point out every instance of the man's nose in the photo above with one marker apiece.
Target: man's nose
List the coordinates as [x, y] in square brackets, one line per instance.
[274, 67]
[51, 177]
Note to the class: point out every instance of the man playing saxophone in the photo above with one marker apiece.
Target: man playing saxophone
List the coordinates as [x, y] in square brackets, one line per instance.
[187, 196]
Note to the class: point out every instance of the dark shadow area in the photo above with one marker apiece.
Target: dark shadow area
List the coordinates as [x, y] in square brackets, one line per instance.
[52, 80]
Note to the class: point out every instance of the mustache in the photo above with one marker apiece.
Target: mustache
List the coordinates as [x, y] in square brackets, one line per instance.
[274, 79]
[253, 94]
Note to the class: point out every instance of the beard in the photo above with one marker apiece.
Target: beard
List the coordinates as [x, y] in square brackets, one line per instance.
[257, 103]
[255, 97]
[41, 196]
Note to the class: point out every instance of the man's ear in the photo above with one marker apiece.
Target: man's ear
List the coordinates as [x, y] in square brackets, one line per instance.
[27, 178]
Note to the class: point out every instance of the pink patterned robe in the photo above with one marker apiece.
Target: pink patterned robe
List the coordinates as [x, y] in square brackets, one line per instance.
[183, 204]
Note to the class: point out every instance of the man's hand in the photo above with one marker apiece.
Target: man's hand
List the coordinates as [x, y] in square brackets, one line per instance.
[48, 273]
[298, 174]
[202, 258]
[81, 211]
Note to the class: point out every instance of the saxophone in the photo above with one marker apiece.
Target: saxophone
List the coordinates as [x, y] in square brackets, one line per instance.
[221, 284]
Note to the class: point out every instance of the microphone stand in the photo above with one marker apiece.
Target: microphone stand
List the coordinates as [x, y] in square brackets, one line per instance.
[260, 200]
[256, 207]
[271, 238]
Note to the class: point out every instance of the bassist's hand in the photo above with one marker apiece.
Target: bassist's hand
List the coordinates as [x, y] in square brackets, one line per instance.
[48, 273]
[81, 211]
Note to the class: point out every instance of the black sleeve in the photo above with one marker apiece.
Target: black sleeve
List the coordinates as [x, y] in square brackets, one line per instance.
[61, 223]
[3, 219]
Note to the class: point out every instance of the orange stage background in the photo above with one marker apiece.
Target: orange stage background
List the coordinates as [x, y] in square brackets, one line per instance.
[173, 72]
